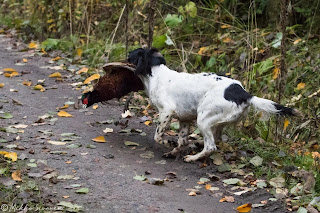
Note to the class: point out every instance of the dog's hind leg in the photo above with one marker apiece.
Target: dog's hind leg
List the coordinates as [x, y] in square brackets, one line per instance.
[182, 140]
[164, 120]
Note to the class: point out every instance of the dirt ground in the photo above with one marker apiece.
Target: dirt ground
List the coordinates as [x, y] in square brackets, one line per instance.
[107, 169]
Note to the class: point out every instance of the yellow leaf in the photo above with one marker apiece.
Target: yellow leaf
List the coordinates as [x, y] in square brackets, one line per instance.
[222, 200]
[66, 196]
[225, 26]
[82, 70]
[297, 41]
[1, 85]
[147, 123]
[56, 58]
[99, 139]
[301, 86]
[33, 45]
[64, 107]
[276, 73]
[50, 21]
[3, 152]
[25, 60]
[207, 187]
[55, 75]
[227, 40]
[12, 155]
[64, 114]
[9, 75]
[244, 208]
[39, 87]
[95, 106]
[16, 175]
[68, 162]
[9, 70]
[27, 83]
[203, 50]
[285, 125]
[79, 52]
[91, 78]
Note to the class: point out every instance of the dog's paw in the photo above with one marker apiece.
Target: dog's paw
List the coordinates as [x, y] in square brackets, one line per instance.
[190, 158]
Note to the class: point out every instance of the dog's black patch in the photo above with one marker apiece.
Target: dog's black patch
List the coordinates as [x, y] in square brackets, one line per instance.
[144, 59]
[284, 110]
[237, 94]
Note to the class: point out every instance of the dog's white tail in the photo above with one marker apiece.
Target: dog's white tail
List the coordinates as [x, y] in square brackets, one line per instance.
[268, 106]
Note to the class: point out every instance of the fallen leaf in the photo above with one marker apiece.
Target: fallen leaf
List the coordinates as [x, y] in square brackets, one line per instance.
[276, 73]
[192, 194]
[6, 115]
[1, 85]
[64, 114]
[27, 83]
[12, 155]
[68, 162]
[228, 199]
[25, 60]
[9, 75]
[66, 196]
[301, 86]
[207, 186]
[73, 207]
[56, 58]
[82, 191]
[39, 87]
[129, 143]
[225, 26]
[140, 177]
[297, 41]
[231, 181]
[55, 75]
[83, 70]
[227, 40]
[91, 78]
[20, 126]
[108, 130]
[64, 107]
[9, 70]
[244, 208]
[58, 143]
[16, 175]
[99, 139]
[277, 182]
[147, 123]
[147, 155]
[95, 106]
[256, 161]
[79, 52]
[285, 124]
[33, 45]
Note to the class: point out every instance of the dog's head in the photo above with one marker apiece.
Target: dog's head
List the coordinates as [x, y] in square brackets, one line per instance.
[144, 59]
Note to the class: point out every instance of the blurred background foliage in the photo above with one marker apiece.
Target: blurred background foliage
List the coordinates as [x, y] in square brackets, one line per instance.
[238, 38]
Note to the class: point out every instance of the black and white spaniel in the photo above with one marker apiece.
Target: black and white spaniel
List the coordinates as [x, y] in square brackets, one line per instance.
[214, 101]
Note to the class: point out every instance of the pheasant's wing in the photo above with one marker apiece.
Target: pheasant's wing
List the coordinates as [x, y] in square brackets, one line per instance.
[118, 81]
[109, 67]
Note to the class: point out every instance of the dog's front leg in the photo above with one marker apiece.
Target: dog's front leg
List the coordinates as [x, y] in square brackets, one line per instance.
[182, 140]
[164, 120]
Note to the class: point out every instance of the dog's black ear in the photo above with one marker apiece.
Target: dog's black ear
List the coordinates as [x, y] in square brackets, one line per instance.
[141, 65]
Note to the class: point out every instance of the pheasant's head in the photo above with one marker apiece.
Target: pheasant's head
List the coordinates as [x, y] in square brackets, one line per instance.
[90, 98]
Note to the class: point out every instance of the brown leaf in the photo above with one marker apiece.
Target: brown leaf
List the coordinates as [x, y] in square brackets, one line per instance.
[16, 175]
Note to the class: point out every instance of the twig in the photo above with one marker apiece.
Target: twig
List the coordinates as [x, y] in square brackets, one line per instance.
[151, 21]
[70, 16]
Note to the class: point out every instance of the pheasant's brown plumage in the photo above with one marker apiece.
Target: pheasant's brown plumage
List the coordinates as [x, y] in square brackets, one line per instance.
[118, 81]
